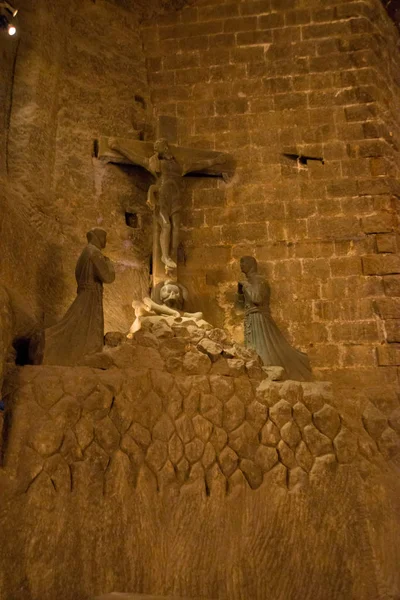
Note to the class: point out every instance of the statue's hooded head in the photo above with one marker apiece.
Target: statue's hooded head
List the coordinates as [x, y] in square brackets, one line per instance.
[161, 147]
[248, 264]
[97, 237]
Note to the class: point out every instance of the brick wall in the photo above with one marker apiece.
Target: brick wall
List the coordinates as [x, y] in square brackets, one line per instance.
[262, 78]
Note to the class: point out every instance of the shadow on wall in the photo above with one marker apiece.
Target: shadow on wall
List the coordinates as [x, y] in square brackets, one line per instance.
[8, 50]
[50, 286]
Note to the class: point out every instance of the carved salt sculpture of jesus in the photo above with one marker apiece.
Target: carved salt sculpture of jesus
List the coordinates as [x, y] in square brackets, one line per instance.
[168, 165]
[170, 297]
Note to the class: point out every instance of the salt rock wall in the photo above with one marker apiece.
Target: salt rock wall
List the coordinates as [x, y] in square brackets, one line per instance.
[66, 84]
[166, 473]
[269, 81]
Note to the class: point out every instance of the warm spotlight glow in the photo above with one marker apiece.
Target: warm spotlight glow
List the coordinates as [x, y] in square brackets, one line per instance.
[11, 30]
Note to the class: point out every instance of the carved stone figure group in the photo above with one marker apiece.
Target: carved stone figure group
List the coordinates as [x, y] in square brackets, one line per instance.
[81, 331]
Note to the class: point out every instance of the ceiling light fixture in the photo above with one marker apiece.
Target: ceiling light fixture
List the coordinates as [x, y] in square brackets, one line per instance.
[7, 14]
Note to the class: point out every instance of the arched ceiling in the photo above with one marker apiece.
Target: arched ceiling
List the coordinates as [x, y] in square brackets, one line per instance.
[147, 9]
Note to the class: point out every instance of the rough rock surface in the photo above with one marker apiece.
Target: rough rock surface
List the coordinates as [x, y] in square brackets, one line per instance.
[147, 450]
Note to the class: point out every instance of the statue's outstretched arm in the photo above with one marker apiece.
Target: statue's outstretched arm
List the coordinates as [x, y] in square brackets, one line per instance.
[135, 157]
[206, 163]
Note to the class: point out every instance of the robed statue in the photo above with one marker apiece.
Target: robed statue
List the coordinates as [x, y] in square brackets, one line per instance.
[260, 330]
[81, 331]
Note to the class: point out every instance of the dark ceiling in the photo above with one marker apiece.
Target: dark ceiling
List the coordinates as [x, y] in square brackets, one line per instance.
[393, 8]
[146, 9]
[149, 8]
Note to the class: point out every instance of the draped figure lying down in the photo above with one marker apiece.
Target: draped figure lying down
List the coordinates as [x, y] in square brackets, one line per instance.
[171, 297]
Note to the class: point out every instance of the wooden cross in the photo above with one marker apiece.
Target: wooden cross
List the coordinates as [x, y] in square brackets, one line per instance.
[169, 164]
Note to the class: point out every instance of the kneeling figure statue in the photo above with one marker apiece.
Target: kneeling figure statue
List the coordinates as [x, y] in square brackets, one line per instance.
[260, 330]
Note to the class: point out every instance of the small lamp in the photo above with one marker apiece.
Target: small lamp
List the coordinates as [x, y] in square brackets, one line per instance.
[7, 14]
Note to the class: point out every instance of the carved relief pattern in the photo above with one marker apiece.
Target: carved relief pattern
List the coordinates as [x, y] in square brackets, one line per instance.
[85, 428]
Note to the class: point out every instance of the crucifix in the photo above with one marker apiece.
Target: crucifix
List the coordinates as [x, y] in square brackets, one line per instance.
[168, 164]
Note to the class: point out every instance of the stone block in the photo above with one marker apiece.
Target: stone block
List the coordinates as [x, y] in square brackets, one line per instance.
[271, 21]
[275, 373]
[175, 449]
[255, 371]
[219, 439]
[388, 308]
[325, 30]
[345, 445]
[388, 355]
[266, 458]
[250, 38]
[222, 387]
[334, 228]
[327, 420]
[212, 12]
[211, 348]
[252, 472]
[291, 434]
[234, 414]
[244, 441]
[244, 23]
[346, 265]
[386, 243]
[48, 390]
[304, 457]
[286, 455]
[157, 455]
[194, 450]
[376, 264]
[301, 415]
[317, 442]
[221, 40]
[380, 223]
[196, 363]
[256, 415]
[394, 420]
[270, 435]
[228, 460]
[281, 413]
[298, 17]
[107, 435]
[211, 409]
[392, 329]
[249, 54]
[389, 444]
[290, 101]
[391, 284]
[374, 421]
[163, 429]
[185, 429]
